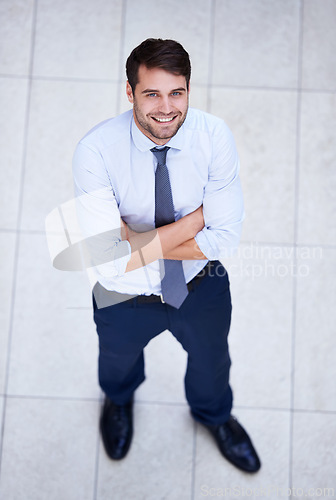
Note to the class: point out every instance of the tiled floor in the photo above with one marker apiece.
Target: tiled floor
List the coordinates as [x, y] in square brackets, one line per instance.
[268, 68]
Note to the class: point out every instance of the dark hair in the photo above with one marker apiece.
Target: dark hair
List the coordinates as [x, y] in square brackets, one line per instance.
[157, 53]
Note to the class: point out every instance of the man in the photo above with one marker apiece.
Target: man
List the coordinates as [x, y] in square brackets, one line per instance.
[161, 187]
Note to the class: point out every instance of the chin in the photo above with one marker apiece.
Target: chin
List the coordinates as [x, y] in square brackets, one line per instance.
[165, 135]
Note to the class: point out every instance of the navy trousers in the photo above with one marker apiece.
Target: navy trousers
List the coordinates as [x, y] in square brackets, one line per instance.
[201, 325]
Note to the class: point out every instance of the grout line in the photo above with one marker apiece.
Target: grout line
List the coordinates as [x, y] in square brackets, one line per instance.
[296, 221]
[74, 79]
[193, 463]
[224, 86]
[317, 91]
[17, 241]
[98, 399]
[270, 89]
[60, 79]
[121, 55]
[162, 403]
[261, 408]
[80, 308]
[14, 77]
[118, 101]
[54, 398]
[195, 84]
[320, 412]
[96, 472]
[211, 51]
[285, 410]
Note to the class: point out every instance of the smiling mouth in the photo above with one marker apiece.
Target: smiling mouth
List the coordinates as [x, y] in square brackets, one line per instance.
[164, 120]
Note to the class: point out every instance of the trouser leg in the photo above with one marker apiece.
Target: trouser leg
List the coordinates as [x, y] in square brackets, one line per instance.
[202, 325]
[124, 330]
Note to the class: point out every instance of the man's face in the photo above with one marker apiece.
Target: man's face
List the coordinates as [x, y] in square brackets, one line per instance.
[160, 103]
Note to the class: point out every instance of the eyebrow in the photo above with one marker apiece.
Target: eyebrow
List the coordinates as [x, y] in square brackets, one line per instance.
[149, 91]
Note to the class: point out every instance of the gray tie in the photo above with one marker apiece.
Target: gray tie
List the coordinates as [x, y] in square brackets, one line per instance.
[174, 288]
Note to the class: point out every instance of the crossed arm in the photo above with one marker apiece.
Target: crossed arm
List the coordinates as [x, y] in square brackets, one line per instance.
[173, 241]
[222, 207]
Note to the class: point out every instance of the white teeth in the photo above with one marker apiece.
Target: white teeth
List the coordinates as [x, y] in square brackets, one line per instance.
[164, 119]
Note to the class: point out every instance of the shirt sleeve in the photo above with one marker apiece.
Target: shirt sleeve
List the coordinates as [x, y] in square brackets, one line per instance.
[223, 206]
[98, 214]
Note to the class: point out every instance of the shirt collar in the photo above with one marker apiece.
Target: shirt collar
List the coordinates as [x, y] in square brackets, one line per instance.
[143, 143]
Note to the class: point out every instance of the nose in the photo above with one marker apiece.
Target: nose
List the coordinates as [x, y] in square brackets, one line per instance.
[165, 106]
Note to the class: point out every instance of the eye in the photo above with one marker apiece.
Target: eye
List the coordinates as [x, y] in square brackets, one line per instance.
[152, 94]
[176, 93]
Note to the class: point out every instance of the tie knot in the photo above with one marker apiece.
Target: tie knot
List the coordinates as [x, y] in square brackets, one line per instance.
[160, 154]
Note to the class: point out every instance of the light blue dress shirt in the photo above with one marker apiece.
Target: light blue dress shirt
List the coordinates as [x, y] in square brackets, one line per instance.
[114, 175]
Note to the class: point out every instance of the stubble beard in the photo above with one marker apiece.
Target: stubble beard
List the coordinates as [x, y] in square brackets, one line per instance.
[146, 125]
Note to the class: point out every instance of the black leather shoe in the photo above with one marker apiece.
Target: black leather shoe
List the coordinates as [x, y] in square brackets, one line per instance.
[235, 445]
[116, 426]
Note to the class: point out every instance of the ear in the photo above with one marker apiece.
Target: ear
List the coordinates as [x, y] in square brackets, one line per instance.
[189, 87]
[129, 93]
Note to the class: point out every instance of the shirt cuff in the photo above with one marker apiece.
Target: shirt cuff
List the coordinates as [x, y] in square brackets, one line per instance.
[205, 245]
[120, 256]
[213, 247]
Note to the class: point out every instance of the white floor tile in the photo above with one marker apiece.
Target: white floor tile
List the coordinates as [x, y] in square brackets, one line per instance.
[158, 464]
[54, 344]
[319, 45]
[315, 350]
[263, 124]
[317, 201]
[256, 43]
[165, 365]
[13, 96]
[61, 114]
[1, 414]
[199, 97]
[16, 22]
[49, 450]
[314, 454]
[49, 446]
[123, 102]
[78, 39]
[187, 22]
[269, 431]
[7, 249]
[260, 336]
